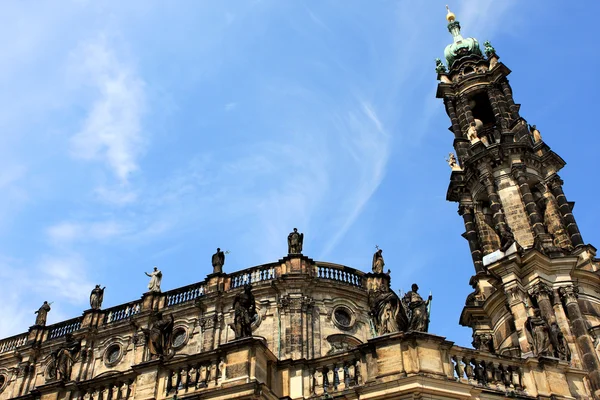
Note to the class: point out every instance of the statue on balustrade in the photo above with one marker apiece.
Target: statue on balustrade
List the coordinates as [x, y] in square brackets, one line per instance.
[96, 297]
[62, 360]
[159, 336]
[155, 279]
[218, 260]
[295, 241]
[244, 307]
[387, 312]
[538, 335]
[418, 310]
[42, 314]
[378, 263]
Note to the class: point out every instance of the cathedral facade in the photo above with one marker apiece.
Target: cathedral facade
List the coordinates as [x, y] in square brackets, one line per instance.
[298, 328]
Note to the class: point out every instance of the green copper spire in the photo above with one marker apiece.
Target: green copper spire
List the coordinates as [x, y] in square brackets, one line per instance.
[460, 47]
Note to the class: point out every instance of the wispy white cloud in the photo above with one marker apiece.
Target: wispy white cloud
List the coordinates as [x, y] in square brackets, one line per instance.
[112, 130]
[230, 106]
[69, 231]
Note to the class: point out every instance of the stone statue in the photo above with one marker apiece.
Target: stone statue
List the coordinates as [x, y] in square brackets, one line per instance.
[160, 336]
[96, 297]
[488, 49]
[537, 136]
[417, 309]
[62, 360]
[387, 312]
[472, 134]
[378, 262]
[451, 160]
[218, 260]
[244, 308]
[506, 239]
[559, 343]
[440, 68]
[539, 334]
[155, 279]
[42, 313]
[295, 241]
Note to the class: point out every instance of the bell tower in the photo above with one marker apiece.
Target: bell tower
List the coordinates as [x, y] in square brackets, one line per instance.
[533, 271]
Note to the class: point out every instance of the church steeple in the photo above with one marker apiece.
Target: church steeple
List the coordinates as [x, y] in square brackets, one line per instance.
[525, 244]
[507, 187]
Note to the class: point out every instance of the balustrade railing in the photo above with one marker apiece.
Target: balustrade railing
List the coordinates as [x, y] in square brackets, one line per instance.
[336, 375]
[346, 275]
[185, 294]
[12, 342]
[122, 312]
[64, 328]
[500, 373]
[112, 391]
[254, 275]
[188, 379]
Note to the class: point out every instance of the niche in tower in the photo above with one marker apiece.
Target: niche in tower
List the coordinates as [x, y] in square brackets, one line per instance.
[485, 122]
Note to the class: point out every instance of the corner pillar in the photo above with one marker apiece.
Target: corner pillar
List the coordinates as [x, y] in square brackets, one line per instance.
[585, 343]
[565, 210]
[466, 211]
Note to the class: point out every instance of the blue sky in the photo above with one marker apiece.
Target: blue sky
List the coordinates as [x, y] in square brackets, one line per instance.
[149, 133]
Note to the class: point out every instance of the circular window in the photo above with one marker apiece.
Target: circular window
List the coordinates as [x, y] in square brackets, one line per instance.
[3, 380]
[179, 337]
[343, 317]
[113, 355]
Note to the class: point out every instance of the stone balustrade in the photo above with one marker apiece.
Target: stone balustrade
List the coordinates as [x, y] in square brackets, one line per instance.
[254, 275]
[185, 294]
[335, 374]
[64, 328]
[122, 312]
[341, 274]
[476, 368]
[118, 390]
[11, 343]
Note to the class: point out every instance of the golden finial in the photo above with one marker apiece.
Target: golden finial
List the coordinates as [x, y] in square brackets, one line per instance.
[450, 16]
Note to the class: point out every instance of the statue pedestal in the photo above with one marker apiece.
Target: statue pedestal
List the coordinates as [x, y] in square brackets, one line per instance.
[378, 282]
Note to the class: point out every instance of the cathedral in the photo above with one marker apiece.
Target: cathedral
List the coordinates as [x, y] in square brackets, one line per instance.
[298, 328]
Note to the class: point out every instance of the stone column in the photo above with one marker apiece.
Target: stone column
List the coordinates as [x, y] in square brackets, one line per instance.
[541, 238]
[500, 121]
[451, 111]
[563, 324]
[495, 204]
[585, 343]
[514, 109]
[519, 311]
[565, 210]
[467, 212]
[543, 294]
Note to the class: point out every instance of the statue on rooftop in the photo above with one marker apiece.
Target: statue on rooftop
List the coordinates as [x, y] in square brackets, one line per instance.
[418, 310]
[488, 49]
[440, 68]
[537, 136]
[295, 241]
[387, 312]
[218, 260]
[96, 297]
[378, 263]
[155, 279]
[452, 161]
[244, 307]
[42, 314]
[160, 335]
